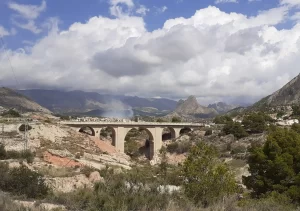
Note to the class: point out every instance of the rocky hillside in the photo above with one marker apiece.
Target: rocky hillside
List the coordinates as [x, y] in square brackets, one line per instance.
[11, 99]
[221, 107]
[287, 95]
[191, 108]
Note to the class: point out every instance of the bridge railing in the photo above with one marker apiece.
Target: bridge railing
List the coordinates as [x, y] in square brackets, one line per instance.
[132, 123]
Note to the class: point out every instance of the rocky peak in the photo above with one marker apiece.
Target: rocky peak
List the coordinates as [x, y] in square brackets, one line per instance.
[190, 106]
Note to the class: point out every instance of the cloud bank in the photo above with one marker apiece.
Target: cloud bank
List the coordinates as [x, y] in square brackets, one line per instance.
[213, 55]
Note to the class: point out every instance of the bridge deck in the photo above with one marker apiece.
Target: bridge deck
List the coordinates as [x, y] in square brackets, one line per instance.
[166, 124]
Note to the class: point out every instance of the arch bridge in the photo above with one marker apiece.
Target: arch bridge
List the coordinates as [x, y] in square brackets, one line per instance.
[120, 130]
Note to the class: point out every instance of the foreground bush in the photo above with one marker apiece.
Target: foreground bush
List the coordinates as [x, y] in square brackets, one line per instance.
[274, 167]
[22, 181]
[207, 180]
[179, 147]
[26, 154]
[136, 189]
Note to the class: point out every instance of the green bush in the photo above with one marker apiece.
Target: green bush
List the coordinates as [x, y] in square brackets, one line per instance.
[136, 189]
[2, 152]
[256, 122]
[207, 180]
[132, 148]
[179, 147]
[296, 127]
[26, 154]
[208, 132]
[22, 181]
[222, 119]
[11, 113]
[176, 119]
[234, 128]
[275, 165]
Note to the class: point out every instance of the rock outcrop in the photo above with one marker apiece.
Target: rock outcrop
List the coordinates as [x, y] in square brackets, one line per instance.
[191, 108]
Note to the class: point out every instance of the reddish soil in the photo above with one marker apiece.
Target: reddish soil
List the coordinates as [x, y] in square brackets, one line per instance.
[104, 146]
[60, 161]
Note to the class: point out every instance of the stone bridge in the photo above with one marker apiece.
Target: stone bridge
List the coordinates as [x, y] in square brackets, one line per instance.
[120, 130]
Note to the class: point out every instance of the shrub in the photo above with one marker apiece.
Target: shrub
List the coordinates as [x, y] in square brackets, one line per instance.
[2, 152]
[296, 127]
[275, 165]
[176, 119]
[234, 128]
[11, 113]
[255, 122]
[26, 154]
[208, 132]
[206, 178]
[179, 147]
[222, 119]
[22, 181]
[132, 148]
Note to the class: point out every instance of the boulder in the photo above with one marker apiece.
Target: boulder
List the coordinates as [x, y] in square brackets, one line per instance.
[95, 177]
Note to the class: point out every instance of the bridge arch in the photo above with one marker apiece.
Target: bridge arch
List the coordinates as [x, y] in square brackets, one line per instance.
[168, 133]
[108, 131]
[185, 130]
[147, 148]
[85, 129]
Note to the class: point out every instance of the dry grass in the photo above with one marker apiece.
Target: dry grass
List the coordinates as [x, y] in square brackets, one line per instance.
[52, 171]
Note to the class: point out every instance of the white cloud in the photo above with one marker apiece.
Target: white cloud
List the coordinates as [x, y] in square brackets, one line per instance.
[225, 1]
[213, 55]
[3, 31]
[160, 10]
[296, 16]
[26, 15]
[28, 11]
[121, 8]
[142, 10]
[290, 2]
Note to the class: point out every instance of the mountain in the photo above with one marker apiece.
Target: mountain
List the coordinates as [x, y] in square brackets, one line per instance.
[12, 99]
[95, 103]
[287, 95]
[221, 107]
[191, 108]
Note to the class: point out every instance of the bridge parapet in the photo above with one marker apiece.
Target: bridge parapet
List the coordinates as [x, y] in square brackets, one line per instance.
[134, 123]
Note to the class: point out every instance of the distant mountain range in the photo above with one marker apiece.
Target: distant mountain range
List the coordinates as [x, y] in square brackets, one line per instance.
[12, 99]
[95, 104]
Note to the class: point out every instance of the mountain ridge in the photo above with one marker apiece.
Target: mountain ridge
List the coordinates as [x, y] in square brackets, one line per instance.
[289, 94]
[12, 99]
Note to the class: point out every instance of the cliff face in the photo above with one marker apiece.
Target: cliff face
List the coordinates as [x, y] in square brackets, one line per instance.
[287, 95]
[11, 99]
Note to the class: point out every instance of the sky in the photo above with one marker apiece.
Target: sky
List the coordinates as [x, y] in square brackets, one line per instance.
[235, 51]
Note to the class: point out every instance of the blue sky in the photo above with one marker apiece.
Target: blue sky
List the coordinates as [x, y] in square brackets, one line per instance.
[81, 11]
[218, 50]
